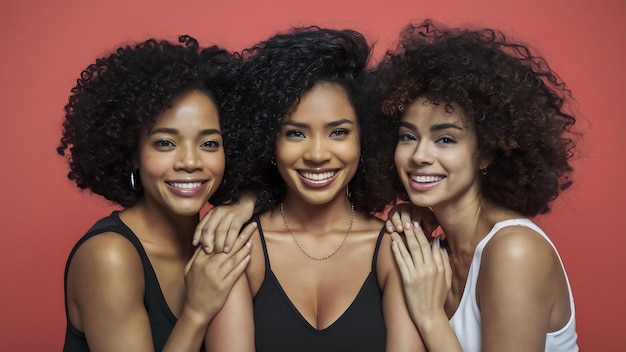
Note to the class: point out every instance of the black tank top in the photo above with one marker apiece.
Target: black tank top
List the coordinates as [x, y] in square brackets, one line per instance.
[279, 326]
[162, 320]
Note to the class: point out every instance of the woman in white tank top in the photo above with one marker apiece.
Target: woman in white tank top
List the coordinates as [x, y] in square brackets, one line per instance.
[484, 141]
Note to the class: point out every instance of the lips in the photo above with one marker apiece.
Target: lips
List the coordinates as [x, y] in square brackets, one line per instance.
[186, 189]
[318, 179]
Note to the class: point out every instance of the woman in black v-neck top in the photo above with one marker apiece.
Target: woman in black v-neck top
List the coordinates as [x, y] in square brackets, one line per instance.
[322, 276]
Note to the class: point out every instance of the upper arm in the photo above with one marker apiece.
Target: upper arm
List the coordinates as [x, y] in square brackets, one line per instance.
[105, 294]
[402, 334]
[516, 290]
[232, 329]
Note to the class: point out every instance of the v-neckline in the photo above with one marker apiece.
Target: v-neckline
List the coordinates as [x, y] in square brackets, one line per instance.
[298, 313]
[288, 300]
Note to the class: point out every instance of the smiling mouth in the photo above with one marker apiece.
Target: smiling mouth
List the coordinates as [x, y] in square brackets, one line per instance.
[185, 185]
[426, 179]
[317, 176]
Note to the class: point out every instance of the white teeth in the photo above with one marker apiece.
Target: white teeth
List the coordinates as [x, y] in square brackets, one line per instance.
[426, 179]
[185, 185]
[317, 176]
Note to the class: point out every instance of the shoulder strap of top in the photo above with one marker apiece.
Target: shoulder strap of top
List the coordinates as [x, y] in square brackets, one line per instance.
[378, 241]
[257, 219]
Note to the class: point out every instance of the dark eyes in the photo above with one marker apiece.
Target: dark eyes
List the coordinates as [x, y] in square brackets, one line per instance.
[166, 144]
[407, 136]
[445, 140]
[210, 145]
[295, 133]
[340, 132]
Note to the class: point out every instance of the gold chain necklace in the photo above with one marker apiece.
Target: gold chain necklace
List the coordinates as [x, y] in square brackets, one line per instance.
[282, 212]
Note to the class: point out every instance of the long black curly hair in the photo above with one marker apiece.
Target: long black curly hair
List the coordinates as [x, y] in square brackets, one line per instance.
[515, 101]
[121, 94]
[277, 72]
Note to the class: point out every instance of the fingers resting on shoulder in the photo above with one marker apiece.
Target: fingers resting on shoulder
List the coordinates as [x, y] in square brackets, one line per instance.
[219, 228]
[404, 216]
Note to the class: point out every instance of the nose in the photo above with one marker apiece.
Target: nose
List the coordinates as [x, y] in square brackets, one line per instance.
[188, 159]
[422, 154]
[317, 150]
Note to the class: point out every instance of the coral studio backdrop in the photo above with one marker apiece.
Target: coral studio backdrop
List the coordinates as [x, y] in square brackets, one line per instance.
[45, 44]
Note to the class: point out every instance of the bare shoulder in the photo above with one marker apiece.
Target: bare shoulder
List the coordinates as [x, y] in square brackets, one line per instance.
[519, 257]
[105, 252]
[105, 278]
[519, 245]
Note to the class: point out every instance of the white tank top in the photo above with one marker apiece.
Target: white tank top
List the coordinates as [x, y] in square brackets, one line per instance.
[466, 320]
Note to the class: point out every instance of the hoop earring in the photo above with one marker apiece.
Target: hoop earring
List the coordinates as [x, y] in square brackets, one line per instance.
[135, 184]
[483, 171]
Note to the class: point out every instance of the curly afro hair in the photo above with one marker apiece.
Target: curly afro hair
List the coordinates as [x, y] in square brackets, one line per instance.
[510, 95]
[121, 94]
[277, 72]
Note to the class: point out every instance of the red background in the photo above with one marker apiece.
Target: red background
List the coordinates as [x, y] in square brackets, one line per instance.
[45, 44]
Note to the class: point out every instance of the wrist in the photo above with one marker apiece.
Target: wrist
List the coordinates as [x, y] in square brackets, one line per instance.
[195, 317]
[430, 325]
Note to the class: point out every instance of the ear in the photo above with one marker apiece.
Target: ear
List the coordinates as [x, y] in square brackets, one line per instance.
[484, 162]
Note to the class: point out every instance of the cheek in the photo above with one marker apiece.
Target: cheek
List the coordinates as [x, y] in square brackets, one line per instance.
[153, 164]
[400, 156]
[350, 153]
[463, 162]
[216, 163]
[286, 155]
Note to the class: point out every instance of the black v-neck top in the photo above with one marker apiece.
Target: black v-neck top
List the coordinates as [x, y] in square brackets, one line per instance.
[279, 326]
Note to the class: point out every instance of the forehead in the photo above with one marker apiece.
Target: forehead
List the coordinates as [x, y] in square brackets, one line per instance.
[325, 102]
[423, 110]
[190, 110]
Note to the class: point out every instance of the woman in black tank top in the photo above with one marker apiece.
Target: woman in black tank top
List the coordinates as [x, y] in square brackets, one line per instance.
[145, 128]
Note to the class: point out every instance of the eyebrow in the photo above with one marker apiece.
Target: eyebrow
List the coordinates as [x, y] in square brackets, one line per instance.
[205, 132]
[437, 127]
[330, 124]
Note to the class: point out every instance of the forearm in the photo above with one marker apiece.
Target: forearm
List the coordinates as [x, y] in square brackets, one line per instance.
[188, 333]
[437, 334]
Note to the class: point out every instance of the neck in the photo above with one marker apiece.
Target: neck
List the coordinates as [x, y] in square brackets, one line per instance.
[164, 228]
[307, 216]
[464, 225]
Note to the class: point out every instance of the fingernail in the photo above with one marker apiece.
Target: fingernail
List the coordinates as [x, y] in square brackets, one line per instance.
[248, 243]
[226, 249]
[416, 224]
[194, 242]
